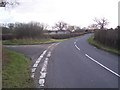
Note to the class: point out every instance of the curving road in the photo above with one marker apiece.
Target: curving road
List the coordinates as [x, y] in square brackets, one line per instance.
[77, 64]
[72, 64]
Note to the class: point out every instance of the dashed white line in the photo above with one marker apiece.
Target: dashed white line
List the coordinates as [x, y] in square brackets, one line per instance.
[37, 62]
[41, 82]
[33, 69]
[43, 74]
[74, 42]
[49, 54]
[39, 59]
[77, 47]
[57, 44]
[102, 65]
[35, 65]
[43, 71]
[33, 75]
[51, 45]
[44, 52]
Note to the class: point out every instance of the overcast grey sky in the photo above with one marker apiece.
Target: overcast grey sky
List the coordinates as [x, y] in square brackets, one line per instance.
[74, 12]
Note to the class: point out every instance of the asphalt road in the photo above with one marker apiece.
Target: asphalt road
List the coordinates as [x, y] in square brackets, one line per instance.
[72, 64]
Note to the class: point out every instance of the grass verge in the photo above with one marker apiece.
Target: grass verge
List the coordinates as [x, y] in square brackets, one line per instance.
[103, 47]
[16, 70]
[31, 41]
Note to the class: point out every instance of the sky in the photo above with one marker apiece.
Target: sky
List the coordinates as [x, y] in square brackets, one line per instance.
[74, 12]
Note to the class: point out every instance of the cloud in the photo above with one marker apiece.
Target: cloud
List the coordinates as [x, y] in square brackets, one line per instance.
[76, 12]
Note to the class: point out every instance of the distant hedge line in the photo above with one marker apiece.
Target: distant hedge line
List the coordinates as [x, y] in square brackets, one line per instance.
[34, 31]
[64, 36]
[109, 38]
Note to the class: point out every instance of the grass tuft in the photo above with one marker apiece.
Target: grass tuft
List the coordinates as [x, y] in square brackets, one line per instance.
[16, 70]
[31, 41]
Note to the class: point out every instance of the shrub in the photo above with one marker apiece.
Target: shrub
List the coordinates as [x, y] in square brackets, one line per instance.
[30, 30]
[109, 38]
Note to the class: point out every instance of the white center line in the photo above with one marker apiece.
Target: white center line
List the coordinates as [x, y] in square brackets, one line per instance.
[77, 47]
[74, 42]
[102, 65]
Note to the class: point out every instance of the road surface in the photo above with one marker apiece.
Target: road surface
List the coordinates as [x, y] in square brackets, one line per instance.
[71, 64]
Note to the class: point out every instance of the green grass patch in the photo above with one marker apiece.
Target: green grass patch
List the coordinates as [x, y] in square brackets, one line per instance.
[103, 47]
[31, 41]
[16, 70]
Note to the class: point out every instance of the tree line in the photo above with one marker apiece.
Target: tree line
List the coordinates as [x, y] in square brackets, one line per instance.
[36, 30]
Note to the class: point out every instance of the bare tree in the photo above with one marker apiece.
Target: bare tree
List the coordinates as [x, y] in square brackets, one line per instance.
[45, 26]
[93, 26]
[61, 26]
[71, 28]
[101, 22]
[9, 3]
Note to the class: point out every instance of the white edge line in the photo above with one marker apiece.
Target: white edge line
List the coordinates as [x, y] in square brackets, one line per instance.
[102, 65]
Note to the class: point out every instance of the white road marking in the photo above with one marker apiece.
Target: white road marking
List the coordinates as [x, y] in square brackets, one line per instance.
[41, 82]
[44, 52]
[49, 54]
[77, 47]
[35, 65]
[33, 75]
[57, 44]
[44, 68]
[102, 65]
[74, 42]
[43, 74]
[33, 69]
[38, 61]
[51, 45]
[43, 71]
[41, 56]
